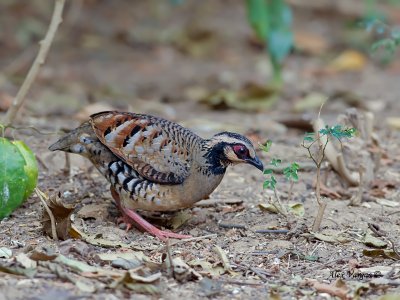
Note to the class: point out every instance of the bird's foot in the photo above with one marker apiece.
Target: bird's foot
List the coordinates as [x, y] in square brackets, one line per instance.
[162, 235]
[125, 220]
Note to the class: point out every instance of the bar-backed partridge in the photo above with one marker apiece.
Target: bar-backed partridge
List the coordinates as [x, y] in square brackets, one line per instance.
[154, 164]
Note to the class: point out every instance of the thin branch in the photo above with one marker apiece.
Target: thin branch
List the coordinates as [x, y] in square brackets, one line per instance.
[45, 44]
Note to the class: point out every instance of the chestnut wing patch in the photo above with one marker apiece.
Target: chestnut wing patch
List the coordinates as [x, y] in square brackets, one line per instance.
[153, 147]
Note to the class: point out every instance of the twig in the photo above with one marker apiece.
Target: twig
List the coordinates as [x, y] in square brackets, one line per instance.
[277, 231]
[39, 193]
[45, 44]
[236, 282]
[230, 226]
[169, 257]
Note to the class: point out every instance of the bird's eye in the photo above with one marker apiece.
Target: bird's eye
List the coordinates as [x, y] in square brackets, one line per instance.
[240, 150]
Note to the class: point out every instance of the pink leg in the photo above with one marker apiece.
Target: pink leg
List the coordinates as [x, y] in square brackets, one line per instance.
[162, 235]
[129, 217]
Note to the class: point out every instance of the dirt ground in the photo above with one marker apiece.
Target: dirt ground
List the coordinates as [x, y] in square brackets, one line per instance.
[161, 59]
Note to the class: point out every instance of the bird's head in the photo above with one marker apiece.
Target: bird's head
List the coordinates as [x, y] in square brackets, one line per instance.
[232, 148]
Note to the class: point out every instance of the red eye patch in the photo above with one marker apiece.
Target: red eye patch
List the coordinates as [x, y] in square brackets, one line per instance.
[240, 151]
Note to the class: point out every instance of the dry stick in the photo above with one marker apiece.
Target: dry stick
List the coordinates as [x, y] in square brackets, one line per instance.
[45, 44]
[52, 219]
[321, 204]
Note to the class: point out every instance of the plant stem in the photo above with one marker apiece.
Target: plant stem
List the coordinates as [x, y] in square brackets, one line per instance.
[281, 208]
[321, 204]
[290, 190]
[45, 44]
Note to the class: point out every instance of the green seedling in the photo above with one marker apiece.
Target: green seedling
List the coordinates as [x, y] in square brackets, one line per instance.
[290, 173]
[271, 20]
[315, 144]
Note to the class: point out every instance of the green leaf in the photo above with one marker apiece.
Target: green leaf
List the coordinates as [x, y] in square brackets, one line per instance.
[309, 137]
[268, 171]
[275, 162]
[257, 14]
[266, 146]
[280, 37]
[18, 175]
[388, 44]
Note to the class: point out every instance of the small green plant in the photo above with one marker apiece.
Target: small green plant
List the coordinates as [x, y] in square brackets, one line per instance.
[387, 39]
[290, 173]
[272, 23]
[315, 144]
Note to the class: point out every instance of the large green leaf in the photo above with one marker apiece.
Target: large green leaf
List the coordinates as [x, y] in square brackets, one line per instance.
[257, 14]
[18, 175]
[280, 37]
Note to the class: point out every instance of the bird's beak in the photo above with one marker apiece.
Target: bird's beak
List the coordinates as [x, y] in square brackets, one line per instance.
[256, 162]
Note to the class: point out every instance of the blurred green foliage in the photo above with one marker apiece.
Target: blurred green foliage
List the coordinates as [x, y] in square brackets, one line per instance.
[272, 23]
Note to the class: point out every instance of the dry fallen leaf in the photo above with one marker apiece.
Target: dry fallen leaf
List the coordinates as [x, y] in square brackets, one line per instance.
[349, 60]
[61, 213]
[93, 211]
[338, 289]
[181, 271]
[372, 241]
[5, 252]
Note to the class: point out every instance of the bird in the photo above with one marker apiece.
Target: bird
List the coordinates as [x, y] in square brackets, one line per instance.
[153, 164]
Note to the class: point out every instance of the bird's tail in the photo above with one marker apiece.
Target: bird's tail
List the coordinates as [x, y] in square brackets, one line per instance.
[76, 141]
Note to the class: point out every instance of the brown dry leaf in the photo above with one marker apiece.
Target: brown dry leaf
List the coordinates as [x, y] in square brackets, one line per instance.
[330, 238]
[310, 43]
[380, 253]
[30, 273]
[93, 211]
[97, 240]
[224, 259]
[25, 261]
[338, 289]
[207, 267]
[182, 272]
[371, 241]
[349, 60]
[268, 207]
[140, 281]
[61, 213]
